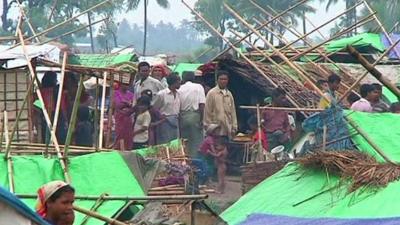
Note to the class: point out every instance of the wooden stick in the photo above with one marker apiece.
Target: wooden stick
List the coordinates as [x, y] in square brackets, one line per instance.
[96, 116]
[60, 92]
[258, 28]
[233, 47]
[45, 113]
[2, 127]
[381, 26]
[325, 129]
[110, 111]
[98, 216]
[366, 72]
[103, 103]
[283, 57]
[129, 198]
[64, 22]
[283, 109]
[8, 143]
[21, 9]
[371, 69]
[73, 31]
[320, 26]
[53, 8]
[369, 140]
[7, 137]
[94, 208]
[260, 146]
[361, 22]
[72, 122]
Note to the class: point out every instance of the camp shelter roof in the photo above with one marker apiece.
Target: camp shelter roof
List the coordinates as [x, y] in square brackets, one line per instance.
[100, 60]
[313, 197]
[389, 96]
[358, 41]
[181, 67]
[21, 212]
[92, 174]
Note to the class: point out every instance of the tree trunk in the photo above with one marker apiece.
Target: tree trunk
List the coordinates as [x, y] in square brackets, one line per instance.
[90, 32]
[304, 25]
[115, 39]
[4, 20]
[145, 28]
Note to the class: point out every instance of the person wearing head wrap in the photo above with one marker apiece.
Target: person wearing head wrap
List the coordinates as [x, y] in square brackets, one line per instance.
[54, 203]
[159, 72]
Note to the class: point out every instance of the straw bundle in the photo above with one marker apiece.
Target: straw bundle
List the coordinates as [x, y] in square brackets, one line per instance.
[359, 168]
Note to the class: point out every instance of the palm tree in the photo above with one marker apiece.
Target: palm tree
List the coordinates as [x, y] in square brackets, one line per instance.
[388, 13]
[133, 4]
[351, 16]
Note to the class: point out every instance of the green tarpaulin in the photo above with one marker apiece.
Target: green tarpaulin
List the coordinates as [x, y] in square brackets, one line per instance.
[360, 40]
[181, 67]
[92, 174]
[390, 97]
[303, 193]
[100, 60]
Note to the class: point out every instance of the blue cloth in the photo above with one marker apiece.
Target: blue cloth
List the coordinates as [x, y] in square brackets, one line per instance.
[262, 219]
[333, 118]
[11, 200]
[386, 43]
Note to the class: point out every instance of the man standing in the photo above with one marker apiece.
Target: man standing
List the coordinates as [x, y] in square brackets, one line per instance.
[220, 107]
[146, 82]
[276, 122]
[168, 102]
[333, 83]
[192, 98]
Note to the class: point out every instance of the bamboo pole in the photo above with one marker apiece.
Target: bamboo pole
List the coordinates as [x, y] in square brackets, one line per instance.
[361, 22]
[382, 27]
[98, 216]
[110, 112]
[325, 129]
[8, 143]
[96, 115]
[2, 130]
[64, 22]
[103, 103]
[72, 122]
[372, 70]
[130, 198]
[53, 8]
[73, 31]
[284, 109]
[280, 68]
[94, 208]
[370, 142]
[283, 57]
[46, 115]
[322, 25]
[295, 32]
[258, 28]
[366, 72]
[60, 92]
[233, 47]
[260, 145]
[21, 9]
[8, 158]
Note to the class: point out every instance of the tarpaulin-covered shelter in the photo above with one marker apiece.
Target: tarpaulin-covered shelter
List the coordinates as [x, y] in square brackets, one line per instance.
[302, 196]
[14, 212]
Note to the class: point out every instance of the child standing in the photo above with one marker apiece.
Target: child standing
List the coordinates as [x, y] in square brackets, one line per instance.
[142, 123]
[220, 153]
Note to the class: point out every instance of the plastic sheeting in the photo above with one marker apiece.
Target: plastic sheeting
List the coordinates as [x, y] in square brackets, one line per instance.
[92, 174]
[311, 194]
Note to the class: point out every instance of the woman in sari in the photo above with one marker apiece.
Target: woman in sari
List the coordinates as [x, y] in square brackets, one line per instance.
[123, 111]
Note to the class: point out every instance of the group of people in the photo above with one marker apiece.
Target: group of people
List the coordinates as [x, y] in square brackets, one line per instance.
[370, 99]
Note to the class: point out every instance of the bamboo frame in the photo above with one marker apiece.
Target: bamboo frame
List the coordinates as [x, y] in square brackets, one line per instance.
[366, 72]
[98, 216]
[381, 26]
[21, 9]
[258, 28]
[46, 115]
[96, 115]
[72, 122]
[283, 57]
[94, 208]
[130, 198]
[233, 47]
[295, 32]
[103, 102]
[110, 112]
[64, 22]
[10, 170]
[283, 109]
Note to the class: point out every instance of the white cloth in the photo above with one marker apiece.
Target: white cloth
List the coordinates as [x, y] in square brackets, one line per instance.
[167, 103]
[362, 105]
[149, 84]
[191, 95]
[143, 120]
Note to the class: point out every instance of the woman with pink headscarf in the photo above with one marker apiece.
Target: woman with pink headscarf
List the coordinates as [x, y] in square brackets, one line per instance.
[160, 72]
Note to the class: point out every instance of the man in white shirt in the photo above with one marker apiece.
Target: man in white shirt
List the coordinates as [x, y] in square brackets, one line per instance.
[168, 102]
[145, 81]
[193, 99]
[368, 94]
